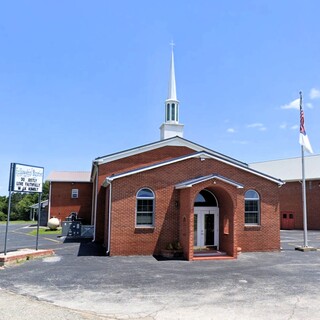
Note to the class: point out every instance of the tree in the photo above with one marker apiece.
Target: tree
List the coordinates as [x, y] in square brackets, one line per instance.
[22, 208]
[45, 191]
[3, 208]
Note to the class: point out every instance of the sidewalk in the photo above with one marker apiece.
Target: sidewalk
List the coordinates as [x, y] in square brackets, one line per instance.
[18, 307]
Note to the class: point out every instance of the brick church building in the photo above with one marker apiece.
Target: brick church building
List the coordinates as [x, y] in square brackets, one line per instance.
[173, 190]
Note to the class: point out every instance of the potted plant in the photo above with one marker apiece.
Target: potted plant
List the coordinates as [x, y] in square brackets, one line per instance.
[173, 250]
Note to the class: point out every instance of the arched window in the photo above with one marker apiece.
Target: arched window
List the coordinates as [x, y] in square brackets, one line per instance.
[177, 113]
[173, 112]
[252, 207]
[145, 207]
[205, 199]
[168, 112]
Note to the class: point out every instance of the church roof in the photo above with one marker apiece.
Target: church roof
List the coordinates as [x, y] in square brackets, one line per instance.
[74, 176]
[202, 155]
[174, 141]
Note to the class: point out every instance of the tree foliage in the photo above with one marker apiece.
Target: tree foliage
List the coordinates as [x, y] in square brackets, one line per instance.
[3, 208]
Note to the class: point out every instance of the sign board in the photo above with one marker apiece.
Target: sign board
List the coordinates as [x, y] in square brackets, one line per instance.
[25, 178]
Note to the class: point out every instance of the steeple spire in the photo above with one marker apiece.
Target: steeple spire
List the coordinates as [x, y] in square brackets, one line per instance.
[171, 127]
[172, 92]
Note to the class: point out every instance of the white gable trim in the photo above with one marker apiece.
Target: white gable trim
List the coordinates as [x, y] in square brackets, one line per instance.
[158, 165]
[202, 156]
[134, 151]
[175, 142]
[192, 182]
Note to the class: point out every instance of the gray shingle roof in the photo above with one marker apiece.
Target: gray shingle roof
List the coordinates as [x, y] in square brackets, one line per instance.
[74, 176]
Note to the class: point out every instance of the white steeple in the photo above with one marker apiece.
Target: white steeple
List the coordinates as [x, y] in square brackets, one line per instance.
[171, 127]
[172, 92]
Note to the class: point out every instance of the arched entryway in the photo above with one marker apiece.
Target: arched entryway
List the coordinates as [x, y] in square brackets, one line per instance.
[206, 222]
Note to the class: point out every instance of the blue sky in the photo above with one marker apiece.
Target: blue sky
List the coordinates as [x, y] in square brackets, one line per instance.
[82, 79]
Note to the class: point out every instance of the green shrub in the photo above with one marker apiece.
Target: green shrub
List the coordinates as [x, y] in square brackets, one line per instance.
[14, 216]
[3, 216]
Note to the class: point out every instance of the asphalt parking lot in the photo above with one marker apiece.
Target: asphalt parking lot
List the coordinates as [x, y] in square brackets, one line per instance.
[79, 283]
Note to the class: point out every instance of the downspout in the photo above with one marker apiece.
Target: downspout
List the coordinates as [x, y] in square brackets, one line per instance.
[109, 216]
[93, 192]
[95, 203]
[49, 203]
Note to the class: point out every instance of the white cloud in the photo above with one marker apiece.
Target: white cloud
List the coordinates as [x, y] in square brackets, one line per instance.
[283, 126]
[314, 93]
[294, 127]
[257, 125]
[295, 104]
[240, 142]
[231, 130]
[309, 105]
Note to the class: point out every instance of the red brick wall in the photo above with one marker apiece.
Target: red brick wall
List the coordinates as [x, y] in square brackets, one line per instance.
[186, 222]
[143, 159]
[126, 164]
[265, 237]
[126, 239]
[61, 203]
[291, 200]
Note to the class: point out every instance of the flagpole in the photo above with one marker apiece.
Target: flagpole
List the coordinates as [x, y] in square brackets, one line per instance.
[304, 203]
[305, 144]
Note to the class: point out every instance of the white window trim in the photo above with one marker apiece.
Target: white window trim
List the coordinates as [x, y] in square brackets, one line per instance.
[75, 193]
[153, 209]
[259, 209]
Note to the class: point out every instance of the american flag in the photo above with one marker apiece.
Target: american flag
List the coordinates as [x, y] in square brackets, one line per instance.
[302, 129]
[303, 138]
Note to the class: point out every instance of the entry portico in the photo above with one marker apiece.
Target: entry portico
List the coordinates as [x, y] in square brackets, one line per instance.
[209, 230]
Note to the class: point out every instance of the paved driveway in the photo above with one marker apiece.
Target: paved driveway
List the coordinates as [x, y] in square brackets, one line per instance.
[18, 238]
[279, 285]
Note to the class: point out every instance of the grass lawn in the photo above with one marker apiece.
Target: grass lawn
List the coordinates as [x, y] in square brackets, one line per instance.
[45, 231]
[19, 222]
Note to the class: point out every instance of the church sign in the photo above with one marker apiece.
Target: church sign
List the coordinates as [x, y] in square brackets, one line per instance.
[25, 178]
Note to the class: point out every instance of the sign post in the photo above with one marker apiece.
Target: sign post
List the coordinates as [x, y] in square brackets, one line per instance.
[38, 222]
[9, 210]
[24, 178]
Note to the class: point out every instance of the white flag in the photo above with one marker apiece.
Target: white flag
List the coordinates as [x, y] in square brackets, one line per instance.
[303, 139]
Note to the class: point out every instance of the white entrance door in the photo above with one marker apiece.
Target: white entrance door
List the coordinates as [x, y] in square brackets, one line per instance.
[206, 226]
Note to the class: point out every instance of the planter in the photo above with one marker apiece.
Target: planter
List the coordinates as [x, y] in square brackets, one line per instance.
[171, 254]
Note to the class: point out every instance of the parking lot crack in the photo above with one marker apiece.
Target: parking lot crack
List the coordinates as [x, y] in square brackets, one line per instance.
[294, 309]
